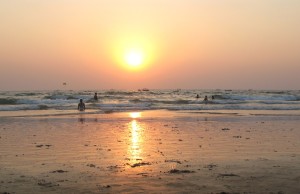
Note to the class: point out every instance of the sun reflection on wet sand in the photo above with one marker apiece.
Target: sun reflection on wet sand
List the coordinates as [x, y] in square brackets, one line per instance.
[135, 115]
[135, 147]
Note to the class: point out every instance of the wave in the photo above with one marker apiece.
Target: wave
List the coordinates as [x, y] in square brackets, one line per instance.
[56, 96]
[277, 92]
[28, 94]
[117, 92]
[71, 97]
[185, 102]
[149, 106]
[8, 101]
[178, 108]
[117, 100]
[112, 97]
[178, 101]
[279, 102]
[43, 107]
[136, 100]
[258, 97]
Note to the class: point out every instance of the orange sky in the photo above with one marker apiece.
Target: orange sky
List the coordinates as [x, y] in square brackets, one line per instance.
[230, 44]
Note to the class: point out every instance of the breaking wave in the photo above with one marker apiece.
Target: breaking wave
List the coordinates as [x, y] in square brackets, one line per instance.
[8, 101]
[121, 100]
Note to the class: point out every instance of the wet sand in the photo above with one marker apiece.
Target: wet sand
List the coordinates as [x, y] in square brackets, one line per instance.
[156, 152]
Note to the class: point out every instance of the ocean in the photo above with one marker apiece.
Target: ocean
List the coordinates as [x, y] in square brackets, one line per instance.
[139, 100]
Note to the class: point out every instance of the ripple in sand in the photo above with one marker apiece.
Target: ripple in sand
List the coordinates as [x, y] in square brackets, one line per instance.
[225, 129]
[91, 165]
[176, 161]
[143, 174]
[227, 175]
[176, 171]
[41, 145]
[59, 171]
[210, 166]
[43, 183]
[140, 164]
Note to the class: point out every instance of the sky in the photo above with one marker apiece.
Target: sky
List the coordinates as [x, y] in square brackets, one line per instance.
[190, 44]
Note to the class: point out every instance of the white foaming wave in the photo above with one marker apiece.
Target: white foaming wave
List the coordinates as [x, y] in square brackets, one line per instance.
[36, 106]
[278, 102]
[46, 101]
[125, 106]
[262, 97]
[23, 107]
[141, 106]
[162, 99]
[231, 107]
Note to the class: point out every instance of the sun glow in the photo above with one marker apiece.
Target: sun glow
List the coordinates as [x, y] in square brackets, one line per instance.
[134, 53]
[134, 58]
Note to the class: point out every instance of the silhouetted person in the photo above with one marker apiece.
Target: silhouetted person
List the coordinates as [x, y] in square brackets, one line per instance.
[212, 97]
[95, 96]
[205, 98]
[81, 105]
[197, 96]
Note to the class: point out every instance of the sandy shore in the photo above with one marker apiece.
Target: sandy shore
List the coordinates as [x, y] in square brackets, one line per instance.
[150, 152]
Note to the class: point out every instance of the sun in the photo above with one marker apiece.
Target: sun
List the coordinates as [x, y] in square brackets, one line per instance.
[134, 58]
[134, 54]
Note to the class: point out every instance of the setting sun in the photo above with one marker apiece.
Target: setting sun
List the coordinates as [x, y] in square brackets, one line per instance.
[134, 54]
[134, 58]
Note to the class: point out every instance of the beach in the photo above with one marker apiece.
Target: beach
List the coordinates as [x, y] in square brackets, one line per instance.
[154, 151]
[159, 97]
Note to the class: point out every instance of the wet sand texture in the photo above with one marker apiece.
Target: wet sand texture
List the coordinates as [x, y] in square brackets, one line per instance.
[180, 154]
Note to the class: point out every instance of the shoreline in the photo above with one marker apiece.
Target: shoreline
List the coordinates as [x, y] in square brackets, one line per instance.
[50, 113]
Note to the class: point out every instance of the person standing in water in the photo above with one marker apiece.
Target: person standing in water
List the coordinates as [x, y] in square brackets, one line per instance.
[205, 99]
[95, 96]
[81, 105]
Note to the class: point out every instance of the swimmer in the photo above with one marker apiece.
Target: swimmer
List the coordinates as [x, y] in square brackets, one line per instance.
[205, 98]
[95, 96]
[197, 96]
[81, 105]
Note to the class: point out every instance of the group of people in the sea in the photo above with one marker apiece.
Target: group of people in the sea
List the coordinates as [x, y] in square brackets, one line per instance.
[81, 105]
[205, 98]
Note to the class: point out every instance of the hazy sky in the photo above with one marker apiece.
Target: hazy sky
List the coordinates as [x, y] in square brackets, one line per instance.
[209, 44]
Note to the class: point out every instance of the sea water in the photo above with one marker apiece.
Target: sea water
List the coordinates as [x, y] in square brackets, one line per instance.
[139, 100]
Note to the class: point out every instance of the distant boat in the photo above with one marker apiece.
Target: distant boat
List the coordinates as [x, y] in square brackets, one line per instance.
[143, 90]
